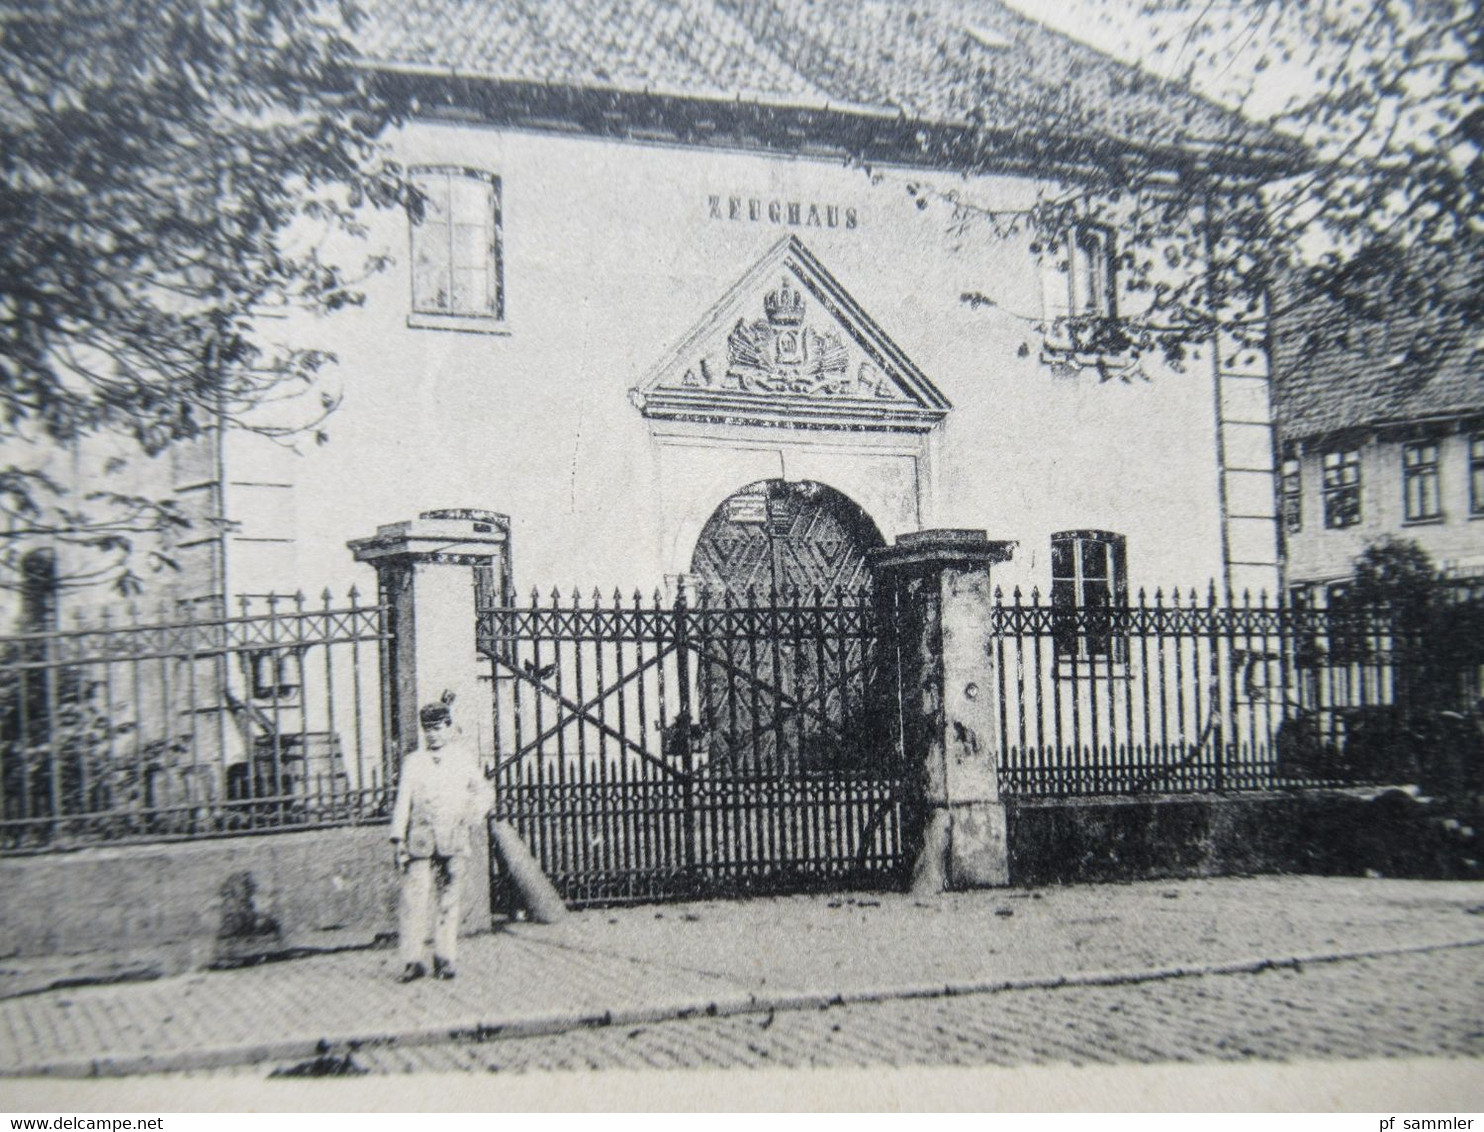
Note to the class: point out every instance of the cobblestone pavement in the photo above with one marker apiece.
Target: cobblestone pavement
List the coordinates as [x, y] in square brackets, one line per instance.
[1429, 1004]
[637, 965]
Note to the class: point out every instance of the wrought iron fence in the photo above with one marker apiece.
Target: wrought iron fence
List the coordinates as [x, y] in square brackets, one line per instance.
[1182, 694]
[666, 748]
[176, 725]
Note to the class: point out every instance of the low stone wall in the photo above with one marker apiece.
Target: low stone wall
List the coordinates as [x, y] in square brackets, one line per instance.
[1323, 833]
[186, 905]
[190, 904]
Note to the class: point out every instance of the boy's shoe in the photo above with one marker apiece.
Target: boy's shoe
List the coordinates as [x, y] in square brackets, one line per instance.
[412, 971]
[443, 969]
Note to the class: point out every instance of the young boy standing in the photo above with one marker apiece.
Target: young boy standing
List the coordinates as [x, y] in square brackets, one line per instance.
[441, 796]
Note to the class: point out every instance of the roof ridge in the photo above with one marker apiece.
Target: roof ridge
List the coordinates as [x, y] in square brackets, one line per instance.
[1177, 86]
[917, 58]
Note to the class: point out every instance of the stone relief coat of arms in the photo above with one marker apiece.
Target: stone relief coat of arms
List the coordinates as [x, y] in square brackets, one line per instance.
[780, 353]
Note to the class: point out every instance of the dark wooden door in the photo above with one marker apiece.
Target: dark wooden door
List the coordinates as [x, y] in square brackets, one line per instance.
[766, 707]
[776, 536]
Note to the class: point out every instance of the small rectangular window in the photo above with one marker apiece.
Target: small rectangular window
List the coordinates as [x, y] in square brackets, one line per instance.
[1476, 473]
[1090, 268]
[1421, 494]
[1291, 495]
[1342, 488]
[456, 264]
[1089, 578]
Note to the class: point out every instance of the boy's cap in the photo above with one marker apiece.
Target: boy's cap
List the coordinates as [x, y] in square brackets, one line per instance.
[434, 713]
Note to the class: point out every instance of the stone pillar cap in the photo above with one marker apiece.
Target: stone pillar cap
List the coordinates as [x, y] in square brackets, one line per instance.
[437, 534]
[942, 546]
[472, 514]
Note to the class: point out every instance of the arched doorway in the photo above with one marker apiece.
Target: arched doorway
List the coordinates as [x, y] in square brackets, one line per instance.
[774, 535]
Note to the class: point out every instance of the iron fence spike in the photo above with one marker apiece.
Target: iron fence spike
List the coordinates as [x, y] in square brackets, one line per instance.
[327, 597]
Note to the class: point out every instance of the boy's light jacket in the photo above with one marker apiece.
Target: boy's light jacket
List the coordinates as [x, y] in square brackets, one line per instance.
[439, 801]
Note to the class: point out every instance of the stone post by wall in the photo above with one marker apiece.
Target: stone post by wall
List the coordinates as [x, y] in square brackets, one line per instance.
[428, 570]
[936, 587]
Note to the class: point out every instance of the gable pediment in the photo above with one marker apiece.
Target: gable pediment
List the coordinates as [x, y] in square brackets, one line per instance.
[787, 346]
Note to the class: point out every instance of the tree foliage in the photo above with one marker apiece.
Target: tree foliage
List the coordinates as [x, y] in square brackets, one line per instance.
[1375, 109]
[1388, 100]
[169, 169]
[1395, 573]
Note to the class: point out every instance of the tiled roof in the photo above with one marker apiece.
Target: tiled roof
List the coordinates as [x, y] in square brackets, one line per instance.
[941, 62]
[1332, 373]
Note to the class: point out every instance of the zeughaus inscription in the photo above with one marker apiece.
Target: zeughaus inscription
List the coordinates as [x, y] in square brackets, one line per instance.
[784, 213]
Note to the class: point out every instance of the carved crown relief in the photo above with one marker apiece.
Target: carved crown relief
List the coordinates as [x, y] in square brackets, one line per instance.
[813, 359]
[782, 352]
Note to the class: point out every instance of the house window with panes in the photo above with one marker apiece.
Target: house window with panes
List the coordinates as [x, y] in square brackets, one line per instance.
[1342, 488]
[1089, 578]
[1291, 494]
[1421, 494]
[1346, 625]
[1476, 474]
[456, 254]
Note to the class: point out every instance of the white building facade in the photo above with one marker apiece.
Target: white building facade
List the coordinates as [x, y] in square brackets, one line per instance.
[714, 331]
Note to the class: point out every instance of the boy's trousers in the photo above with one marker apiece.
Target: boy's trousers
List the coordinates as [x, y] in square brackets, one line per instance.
[422, 876]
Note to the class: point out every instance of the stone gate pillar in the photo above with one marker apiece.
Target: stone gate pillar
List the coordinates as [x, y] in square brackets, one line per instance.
[935, 585]
[428, 570]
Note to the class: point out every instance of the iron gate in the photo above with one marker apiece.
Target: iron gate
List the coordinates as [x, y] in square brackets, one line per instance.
[673, 750]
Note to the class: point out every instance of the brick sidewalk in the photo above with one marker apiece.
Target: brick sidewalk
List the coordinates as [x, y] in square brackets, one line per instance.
[653, 962]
